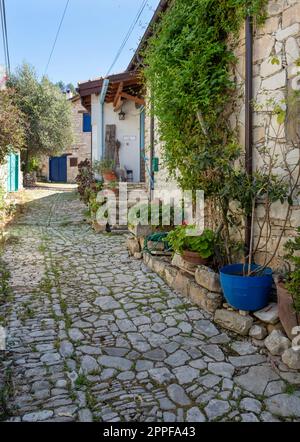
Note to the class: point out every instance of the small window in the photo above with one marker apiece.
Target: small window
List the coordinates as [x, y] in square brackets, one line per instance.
[73, 162]
[86, 122]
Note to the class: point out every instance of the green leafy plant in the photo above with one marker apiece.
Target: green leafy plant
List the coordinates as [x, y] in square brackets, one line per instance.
[48, 115]
[163, 214]
[189, 63]
[86, 180]
[104, 165]
[293, 277]
[12, 124]
[180, 240]
[33, 165]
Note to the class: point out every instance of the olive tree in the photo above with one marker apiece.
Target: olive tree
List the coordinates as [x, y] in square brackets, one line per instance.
[47, 113]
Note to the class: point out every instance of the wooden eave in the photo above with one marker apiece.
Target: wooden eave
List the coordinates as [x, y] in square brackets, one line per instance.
[124, 86]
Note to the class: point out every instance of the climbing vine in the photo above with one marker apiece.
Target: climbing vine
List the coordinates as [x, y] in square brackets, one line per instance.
[188, 69]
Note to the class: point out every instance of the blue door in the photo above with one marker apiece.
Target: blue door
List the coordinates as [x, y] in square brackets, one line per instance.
[58, 169]
[13, 172]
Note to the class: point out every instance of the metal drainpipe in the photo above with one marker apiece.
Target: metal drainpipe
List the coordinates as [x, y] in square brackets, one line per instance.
[92, 146]
[102, 101]
[152, 153]
[249, 117]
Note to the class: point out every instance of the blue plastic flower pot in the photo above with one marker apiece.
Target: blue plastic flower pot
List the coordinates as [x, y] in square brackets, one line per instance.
[246, 292]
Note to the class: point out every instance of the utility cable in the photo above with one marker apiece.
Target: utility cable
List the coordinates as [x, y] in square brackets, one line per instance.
[57, 35]
[127, 36]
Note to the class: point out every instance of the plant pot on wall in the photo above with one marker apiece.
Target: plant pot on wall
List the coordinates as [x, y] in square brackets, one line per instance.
[194, 258]
[249, 293]
[287, 315]
[109, 176]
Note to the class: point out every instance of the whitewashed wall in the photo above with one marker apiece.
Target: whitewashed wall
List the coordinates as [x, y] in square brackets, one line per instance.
[127, 132]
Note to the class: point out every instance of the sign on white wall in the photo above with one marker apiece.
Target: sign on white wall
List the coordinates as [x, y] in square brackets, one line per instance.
[129, 138]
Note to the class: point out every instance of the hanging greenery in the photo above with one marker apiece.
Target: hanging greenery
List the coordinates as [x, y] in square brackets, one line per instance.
[188, 63]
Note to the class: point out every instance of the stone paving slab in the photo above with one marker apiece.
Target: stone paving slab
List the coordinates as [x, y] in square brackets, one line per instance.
[95, 335]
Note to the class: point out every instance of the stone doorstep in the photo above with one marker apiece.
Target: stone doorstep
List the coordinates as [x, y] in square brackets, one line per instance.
[184, 283]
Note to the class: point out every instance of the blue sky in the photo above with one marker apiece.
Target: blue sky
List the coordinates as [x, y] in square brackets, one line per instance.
[89, 40]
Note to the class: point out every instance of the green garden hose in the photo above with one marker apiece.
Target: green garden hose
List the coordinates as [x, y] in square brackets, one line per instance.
[156, 238]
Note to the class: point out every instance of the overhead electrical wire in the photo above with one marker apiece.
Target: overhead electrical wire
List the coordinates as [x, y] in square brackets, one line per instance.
[127, 36]
[56, 36]
[4, 36]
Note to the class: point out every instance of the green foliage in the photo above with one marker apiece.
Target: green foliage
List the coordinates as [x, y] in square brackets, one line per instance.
[33, 165]
[64, 87]
[104, 165]
[12, 124]
[181, 239]
[293, 256]
[47, 112]
[155, 213]
[7, 207]
[188, 64]
[247, 191]
[85, 180]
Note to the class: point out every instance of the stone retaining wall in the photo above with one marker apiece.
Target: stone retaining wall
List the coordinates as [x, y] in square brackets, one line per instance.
[198, 291]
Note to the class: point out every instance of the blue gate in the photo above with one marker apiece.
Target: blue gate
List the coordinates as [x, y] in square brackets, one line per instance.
[13, 172]
[58, 169]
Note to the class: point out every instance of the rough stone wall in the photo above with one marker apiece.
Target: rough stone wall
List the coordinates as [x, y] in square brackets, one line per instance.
[279, 39]
[81, 147]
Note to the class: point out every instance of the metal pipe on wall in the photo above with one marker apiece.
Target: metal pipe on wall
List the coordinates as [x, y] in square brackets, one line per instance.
[249, 118]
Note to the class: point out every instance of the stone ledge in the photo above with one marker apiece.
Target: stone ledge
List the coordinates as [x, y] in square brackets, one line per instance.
[184, 283]
[207, 278]
[133, 245]
[234, 321]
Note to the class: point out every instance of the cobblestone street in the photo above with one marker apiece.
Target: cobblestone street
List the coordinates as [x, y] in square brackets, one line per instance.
[94, 335]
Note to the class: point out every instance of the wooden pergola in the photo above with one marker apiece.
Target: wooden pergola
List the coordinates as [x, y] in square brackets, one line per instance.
[125, 86]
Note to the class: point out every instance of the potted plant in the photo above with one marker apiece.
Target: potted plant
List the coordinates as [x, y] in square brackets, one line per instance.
[193, 249]
[247, 286]
[106, 168]
[288, 288]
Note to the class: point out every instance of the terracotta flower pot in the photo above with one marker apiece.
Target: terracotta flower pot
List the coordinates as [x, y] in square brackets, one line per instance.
[109, 176]
[194, 258]
[287, 315]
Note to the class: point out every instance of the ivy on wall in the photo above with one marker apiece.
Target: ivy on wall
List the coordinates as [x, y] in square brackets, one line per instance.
[188, 63]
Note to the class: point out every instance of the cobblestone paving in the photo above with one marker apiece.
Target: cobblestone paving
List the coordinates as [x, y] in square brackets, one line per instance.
[95, 335]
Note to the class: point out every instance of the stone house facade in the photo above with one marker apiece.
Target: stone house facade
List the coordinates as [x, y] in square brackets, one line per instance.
[116, 106]
[276, 52]
[81, 146]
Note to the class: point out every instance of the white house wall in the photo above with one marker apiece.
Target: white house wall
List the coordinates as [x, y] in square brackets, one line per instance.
[127, 132]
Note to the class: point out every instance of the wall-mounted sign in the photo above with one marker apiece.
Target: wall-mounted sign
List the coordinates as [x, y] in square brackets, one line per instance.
[129, 138]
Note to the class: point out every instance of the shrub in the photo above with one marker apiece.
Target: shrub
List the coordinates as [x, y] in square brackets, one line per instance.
[293, 279]
[180, 240]
[85, 180]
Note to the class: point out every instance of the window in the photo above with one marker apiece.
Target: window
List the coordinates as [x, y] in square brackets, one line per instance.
[86, 122]
[73, 162]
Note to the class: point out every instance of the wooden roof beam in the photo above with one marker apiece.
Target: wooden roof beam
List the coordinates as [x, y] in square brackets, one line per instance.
[119, 91]
[118, 105]
[137, 100]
